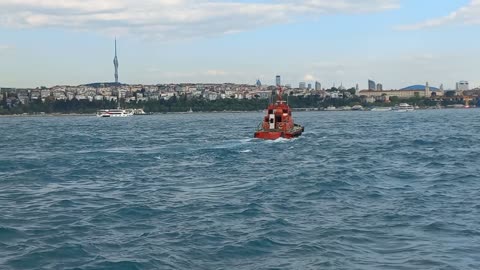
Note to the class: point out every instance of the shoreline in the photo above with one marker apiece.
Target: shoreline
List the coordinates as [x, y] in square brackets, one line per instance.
[93, 114]
[206, 112]
[47, 115]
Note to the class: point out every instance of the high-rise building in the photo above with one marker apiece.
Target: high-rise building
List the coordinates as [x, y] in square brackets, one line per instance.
[318, 86]
[462, 86]
[379, 87]
[357, 89]
[278, 81]
[302, 85]
[115, 62]
[309, 86]
[259, 83]
[371, 85]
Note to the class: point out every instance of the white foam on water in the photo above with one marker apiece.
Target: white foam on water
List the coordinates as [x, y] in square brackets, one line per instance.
[281, 140]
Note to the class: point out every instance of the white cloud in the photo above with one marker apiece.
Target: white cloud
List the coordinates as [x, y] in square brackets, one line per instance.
[309, 77]
[4, 47]
[172, 19]
[216, 72]
[469, 14]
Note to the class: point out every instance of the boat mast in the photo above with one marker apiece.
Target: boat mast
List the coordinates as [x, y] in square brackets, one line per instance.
[280, 94]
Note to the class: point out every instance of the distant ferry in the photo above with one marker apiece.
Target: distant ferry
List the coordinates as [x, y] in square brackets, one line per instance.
[404, 107]
[114, 113]
[331, 108]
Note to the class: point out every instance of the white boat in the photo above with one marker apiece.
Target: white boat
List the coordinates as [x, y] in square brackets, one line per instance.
[330, 108]
[404, 107]
[139, 112]
[114, 113]
[357, 108]
[190, 111]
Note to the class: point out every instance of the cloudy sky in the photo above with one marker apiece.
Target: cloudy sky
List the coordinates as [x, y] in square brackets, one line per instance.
[395, 42]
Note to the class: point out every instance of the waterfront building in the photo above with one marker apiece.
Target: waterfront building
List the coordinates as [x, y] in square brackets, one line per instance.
[44, 93]
[264, 94]
[318, 86]
[379, 87]
[302, 85]
[35, 94]
[259, 84]
[371, 85]
[309, 86]
[407, 92]
[278, 81]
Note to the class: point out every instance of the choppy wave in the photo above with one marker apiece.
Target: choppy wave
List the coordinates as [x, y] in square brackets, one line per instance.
[356, 191]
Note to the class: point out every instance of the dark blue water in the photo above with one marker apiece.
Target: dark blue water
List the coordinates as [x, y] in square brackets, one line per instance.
[360, 190]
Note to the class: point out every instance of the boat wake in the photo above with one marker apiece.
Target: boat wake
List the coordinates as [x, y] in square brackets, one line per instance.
[233, 143]
[281, 140]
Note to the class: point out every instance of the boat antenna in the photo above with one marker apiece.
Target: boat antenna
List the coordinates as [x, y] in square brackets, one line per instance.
[280, 93]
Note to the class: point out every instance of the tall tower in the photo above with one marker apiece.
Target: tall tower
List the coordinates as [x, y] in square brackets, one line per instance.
[428, 93]
[115, 62]
[371, 85]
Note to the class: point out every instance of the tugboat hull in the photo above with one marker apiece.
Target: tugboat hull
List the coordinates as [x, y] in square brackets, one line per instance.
[277, 134]
[274, 135]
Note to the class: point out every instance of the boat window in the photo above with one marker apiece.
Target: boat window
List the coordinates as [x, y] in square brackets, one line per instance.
[271, 121]
[285, 111]
[278, 118]
[270, 111]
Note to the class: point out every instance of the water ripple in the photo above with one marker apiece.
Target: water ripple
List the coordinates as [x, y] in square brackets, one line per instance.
[358, 190]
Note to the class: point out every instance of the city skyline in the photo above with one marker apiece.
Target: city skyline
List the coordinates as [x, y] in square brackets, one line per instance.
[397, 43]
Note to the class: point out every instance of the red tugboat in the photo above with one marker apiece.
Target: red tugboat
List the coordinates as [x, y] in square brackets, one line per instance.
[278, 123]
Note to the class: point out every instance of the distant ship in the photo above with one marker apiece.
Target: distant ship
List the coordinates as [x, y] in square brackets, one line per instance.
[114, 113]
[404, 107]
[278, 123]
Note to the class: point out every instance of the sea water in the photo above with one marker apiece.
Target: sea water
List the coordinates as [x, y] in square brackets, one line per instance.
[359, 190]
